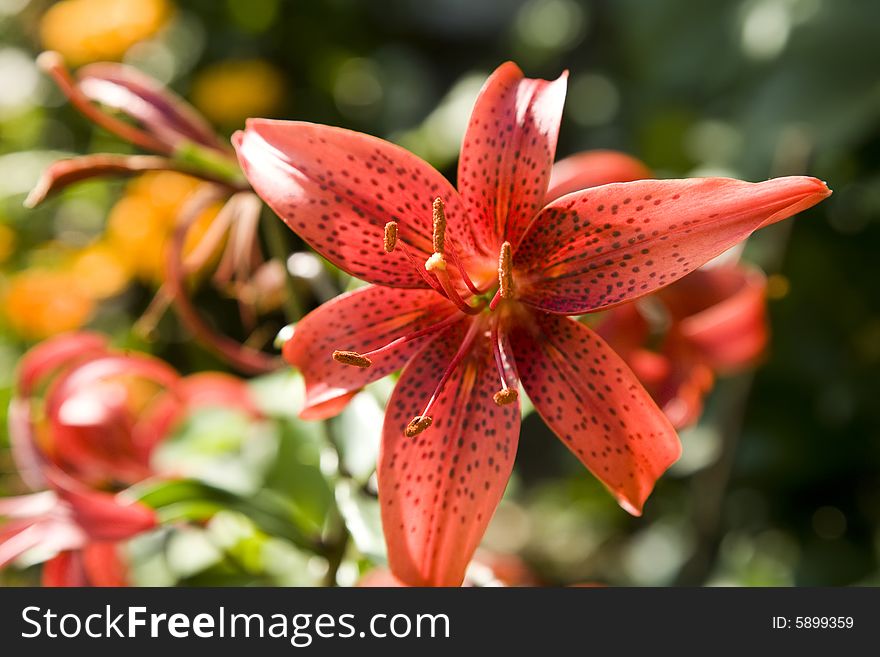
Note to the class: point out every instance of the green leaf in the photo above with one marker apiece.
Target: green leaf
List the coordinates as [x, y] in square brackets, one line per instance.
[363, 520]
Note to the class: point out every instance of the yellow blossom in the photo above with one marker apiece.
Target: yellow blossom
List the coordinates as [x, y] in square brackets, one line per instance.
[39, 303]
[142, 222]
[99, 271]
[231, 91]
[91, 30]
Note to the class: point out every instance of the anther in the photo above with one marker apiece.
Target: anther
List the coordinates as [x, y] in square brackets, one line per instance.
[352, 358]
[505, 396]
[505, 272]
[439, 221]
[390, 236]
[418, 424]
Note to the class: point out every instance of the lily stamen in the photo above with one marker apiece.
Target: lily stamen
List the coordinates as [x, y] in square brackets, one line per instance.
[418, 424]
[366, 359]
[505, 272]
[464, 275]
[422, 421]
[438, 219]
[421, 270]
[507, 394]
[352, 358]
[449, 288]
[390, 240]
[505, 276]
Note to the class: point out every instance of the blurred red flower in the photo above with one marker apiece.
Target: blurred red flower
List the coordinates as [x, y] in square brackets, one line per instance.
[83, 425]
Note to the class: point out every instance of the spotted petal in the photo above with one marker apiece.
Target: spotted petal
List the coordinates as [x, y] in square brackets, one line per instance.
[362, 320]
[507, 153]
[337, 189]
[593, 402]
[439, 490]
[605, 245]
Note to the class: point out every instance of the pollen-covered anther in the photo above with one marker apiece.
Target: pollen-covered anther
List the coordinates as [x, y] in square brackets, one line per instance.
[418, 424]
[352, 358]
[505, 396]
[505, 272]
[438, 219]
[390, 240]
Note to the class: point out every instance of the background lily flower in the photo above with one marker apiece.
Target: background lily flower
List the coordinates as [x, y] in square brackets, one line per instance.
[159, 122]
[170, 215]
[711, 321]
[78, 529]
[85, 421]
[98, 414]
[436, 256]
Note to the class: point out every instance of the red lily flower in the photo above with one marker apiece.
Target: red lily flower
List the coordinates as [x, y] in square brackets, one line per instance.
[436, 256]
[97, 414]
[84, 419]
[180, 140]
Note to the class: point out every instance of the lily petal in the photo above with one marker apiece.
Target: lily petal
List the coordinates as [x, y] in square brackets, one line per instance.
[362, 320]
[594, 403]
[104, 564]
[90, 410]
[28, 506]
[723, 314]
[439, 490]
[337, 189]
[680, 394]
[65, 569]
[591, 169]
[48, 356]
[104, 517]
[507, 153]
[606, 245]
[63, 173]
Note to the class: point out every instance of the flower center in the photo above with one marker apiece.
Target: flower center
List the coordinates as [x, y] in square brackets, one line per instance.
[485, 322]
